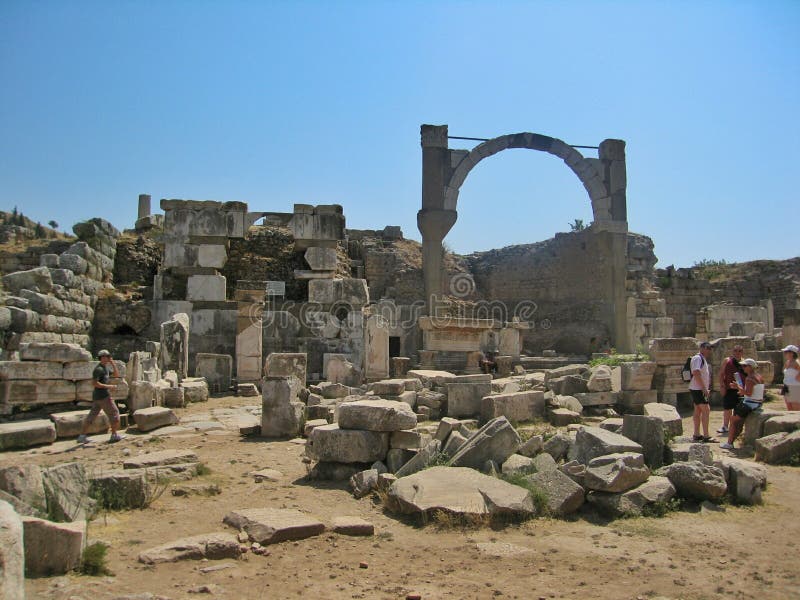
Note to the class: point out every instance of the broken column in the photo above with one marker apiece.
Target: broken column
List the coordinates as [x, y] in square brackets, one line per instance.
[282, 415]
[249, 330]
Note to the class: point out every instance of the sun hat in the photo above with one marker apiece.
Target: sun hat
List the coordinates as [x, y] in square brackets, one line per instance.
[791, 348]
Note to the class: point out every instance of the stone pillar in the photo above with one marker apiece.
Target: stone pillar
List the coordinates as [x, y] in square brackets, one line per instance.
[281, 414]
[175, 345]
[376, 349]
[144, 206]
[249, 335]
[435, 219]
[612, 156]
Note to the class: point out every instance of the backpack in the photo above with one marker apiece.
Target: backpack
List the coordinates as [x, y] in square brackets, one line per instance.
[686, 372]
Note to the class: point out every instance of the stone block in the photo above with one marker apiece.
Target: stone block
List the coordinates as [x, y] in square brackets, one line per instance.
[69, 424]
[561, 417]
[329, 443]
[174, 351]
[564, 496]
[649, 432]
[37, 280]
[208, 288]
[465, 399]
[54, 352]
[355, 526]
[52, 548]
[216, 369]
[516, 406]
[633, 401]
[388, 387]
[173, 397]
[207, 546]
[656, 490]
[161, 458]
[667, 414]
[495, 441]
[591, 442]
[212, 255]
[148, 419]
[321, 259]
[287, 364]
[637, 376]
[24, 434]
[30, 370]
[778, 448]
[695, 480]
[788, 422]
[672, 351]
[597, 398]
[600, 379]
[409, 440]
[143, 394]
[376, 415]
[616, 472]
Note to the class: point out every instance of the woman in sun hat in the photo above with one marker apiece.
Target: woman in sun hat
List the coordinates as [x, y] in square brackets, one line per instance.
[752, 388]
[791, 377]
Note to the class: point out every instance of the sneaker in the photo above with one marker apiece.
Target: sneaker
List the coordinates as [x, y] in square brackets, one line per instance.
[726, 446]
[722, 429]
[115, 437]
[82, 439]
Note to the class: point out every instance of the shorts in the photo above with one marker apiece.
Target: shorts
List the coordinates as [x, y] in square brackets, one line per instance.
[698, 397]
[107, 405]
[730, 400]
[745, 407]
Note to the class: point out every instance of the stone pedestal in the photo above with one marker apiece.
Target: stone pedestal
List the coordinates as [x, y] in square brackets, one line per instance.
[504, 365]
[426, 359]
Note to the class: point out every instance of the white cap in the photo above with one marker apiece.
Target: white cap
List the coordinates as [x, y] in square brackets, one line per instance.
[750, 362]
[791, 348]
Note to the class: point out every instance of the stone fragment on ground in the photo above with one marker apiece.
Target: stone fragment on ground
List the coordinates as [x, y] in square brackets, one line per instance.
[52, 548]
[207, 546]
[696, 481]
[267, 475]
[591, 442]
[148, 419]
[24, 434]
[160, 458]
[66, 488]
[562, 494]
[355, 526]
[656, 490]
[778, 448]
[495, 441]
[746, 479]
[459, 491]
[364, 482]
[616, 472]
[274, 525]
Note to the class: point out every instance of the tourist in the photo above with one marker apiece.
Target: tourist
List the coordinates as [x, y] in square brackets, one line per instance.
[488, 364]
[752, 388]
[700, 389]
[791, 377]
[101, 397]
[728, 386]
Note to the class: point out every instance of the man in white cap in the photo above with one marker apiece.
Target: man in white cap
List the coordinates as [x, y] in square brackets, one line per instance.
[101, 397]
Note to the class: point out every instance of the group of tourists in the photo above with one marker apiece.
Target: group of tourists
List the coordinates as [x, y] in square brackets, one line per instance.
[742, 389]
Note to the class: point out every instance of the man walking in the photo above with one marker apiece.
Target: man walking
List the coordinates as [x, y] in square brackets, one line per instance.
[101, 397]
[729, 387]
[700, 389]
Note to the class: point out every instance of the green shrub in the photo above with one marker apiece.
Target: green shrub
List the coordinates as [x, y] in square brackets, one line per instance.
[93, 560]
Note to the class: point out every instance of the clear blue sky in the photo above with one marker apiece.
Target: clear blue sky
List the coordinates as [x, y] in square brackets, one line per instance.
[274, 103]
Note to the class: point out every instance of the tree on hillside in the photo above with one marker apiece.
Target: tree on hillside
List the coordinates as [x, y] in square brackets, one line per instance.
[52, 224]
[38, 231]
[577, 225]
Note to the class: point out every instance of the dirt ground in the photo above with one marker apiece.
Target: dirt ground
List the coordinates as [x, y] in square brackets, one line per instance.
[740, 553]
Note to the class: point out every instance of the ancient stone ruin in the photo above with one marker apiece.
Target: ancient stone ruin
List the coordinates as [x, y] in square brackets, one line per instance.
[541, 379]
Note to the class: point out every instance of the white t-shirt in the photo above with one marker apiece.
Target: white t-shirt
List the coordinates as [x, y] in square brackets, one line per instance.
[790, 376]
[700, 364]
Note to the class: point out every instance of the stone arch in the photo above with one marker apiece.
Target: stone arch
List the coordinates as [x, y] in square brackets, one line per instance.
[588, 170]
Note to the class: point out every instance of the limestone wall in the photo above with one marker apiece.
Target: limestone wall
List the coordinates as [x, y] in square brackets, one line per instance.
[687, 291]
[55, 302]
